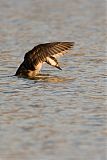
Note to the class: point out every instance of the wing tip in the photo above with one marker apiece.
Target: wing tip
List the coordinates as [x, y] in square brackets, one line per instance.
[68, 44]
[72, 43]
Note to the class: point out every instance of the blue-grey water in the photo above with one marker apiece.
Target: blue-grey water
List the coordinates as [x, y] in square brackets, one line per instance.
[61, 116]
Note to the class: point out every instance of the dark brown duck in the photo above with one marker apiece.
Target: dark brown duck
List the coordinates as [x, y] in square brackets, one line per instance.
[48, 52]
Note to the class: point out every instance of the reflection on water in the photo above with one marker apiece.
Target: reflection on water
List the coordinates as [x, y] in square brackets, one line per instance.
[59, 114]
[52, 79]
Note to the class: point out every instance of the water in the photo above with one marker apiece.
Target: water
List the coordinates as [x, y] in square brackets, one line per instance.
[61, 116]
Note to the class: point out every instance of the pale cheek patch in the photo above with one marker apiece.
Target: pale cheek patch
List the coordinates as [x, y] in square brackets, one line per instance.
[51, 61]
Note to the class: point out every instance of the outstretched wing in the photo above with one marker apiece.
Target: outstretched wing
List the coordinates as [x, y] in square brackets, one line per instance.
[40, 52]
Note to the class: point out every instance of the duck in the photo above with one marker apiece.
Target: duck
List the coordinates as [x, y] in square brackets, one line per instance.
[40, 54]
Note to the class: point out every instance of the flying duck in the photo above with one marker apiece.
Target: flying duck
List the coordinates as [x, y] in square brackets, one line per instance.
[47, 52]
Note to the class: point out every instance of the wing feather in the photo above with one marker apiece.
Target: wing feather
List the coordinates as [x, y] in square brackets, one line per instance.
[40, 52]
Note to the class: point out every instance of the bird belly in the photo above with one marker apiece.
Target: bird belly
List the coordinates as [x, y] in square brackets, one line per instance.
[35, 72]
[38, 67]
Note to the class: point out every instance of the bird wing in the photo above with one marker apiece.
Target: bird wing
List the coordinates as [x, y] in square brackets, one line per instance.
[40, 52]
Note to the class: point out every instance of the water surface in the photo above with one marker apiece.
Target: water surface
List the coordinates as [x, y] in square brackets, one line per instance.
[60, 116]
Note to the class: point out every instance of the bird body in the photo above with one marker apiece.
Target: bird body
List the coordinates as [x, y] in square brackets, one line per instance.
[42, 53]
